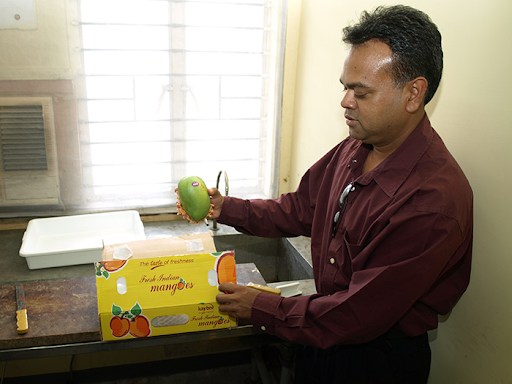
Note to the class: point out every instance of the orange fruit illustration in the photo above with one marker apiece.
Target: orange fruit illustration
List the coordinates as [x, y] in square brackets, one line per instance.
[226, 269]
[181, 285]
[114, 265]
[119, 326]
[139, 326]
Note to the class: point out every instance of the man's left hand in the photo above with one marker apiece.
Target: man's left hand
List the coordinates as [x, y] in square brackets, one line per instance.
[236, 300]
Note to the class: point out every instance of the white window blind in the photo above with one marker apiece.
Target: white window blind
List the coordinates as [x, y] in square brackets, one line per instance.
[177, 88]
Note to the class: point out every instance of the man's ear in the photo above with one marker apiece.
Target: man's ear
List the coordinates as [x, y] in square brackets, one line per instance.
[416, 90]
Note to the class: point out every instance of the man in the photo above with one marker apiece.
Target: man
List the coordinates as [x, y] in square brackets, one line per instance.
[389, 213]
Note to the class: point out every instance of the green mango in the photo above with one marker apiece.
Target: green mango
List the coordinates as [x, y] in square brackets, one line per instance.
[194, 197]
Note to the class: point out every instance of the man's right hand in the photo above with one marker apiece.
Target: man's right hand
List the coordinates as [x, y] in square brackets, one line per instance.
[217, 200]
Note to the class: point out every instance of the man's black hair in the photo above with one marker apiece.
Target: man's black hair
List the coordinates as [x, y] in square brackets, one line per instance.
[414, 40]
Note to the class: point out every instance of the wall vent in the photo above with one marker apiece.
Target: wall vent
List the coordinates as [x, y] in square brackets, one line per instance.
[28, 161]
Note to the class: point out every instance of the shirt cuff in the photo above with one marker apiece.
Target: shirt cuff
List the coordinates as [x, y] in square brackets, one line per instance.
[263, 314]
[232, 212]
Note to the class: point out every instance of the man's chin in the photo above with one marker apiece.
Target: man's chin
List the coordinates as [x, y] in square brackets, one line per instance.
[355, 133]
[358, 135]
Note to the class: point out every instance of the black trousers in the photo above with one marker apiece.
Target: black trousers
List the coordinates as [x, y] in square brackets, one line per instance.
[385, 360]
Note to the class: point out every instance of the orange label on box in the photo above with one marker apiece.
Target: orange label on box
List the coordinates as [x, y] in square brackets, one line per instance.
[163, 295]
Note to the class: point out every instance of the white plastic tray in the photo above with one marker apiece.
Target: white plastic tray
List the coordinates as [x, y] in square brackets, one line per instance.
[71, 240]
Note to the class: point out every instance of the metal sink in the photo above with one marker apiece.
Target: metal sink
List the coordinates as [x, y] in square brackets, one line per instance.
[276, 259]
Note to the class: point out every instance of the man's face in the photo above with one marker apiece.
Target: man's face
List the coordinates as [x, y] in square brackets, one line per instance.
[374, 108]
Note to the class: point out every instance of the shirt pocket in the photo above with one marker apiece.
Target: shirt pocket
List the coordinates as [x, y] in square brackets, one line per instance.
[354, 252]
[350, 249]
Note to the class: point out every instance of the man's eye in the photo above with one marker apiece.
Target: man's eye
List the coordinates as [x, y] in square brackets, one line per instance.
[359, 95]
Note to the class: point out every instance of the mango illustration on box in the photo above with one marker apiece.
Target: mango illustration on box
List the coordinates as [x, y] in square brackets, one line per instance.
[132, 321]
[226, 268]
[105, 267]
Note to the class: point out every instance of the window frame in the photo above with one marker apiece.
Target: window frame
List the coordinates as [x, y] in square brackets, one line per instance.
[272, 141]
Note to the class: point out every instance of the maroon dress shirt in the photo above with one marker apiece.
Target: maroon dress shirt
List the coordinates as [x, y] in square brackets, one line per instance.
[401, 254]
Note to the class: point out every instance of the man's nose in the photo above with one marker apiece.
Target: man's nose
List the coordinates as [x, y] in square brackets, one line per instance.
[348, 101]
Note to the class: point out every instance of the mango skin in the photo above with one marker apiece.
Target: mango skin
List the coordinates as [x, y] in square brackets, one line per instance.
[194, 197]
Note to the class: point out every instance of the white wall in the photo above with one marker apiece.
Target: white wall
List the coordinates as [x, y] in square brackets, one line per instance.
[46, 52]
[471, 111]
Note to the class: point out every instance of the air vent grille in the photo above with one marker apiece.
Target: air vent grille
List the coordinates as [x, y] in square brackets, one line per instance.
[22, 138]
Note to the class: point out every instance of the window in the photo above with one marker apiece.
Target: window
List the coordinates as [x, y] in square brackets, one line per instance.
[177, 88]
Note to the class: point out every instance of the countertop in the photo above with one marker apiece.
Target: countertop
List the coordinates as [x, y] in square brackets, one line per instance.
[64, 311]
[62, 303]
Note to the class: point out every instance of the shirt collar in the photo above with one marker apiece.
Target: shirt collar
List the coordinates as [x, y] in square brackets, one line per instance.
[393, 171]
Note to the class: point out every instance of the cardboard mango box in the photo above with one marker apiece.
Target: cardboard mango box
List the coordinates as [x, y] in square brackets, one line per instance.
[152, 296]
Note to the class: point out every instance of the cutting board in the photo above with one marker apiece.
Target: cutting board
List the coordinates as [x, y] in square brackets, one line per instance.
[59, 312]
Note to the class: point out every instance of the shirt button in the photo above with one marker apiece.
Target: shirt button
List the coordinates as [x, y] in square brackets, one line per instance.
[263, 328]
[332, 260]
